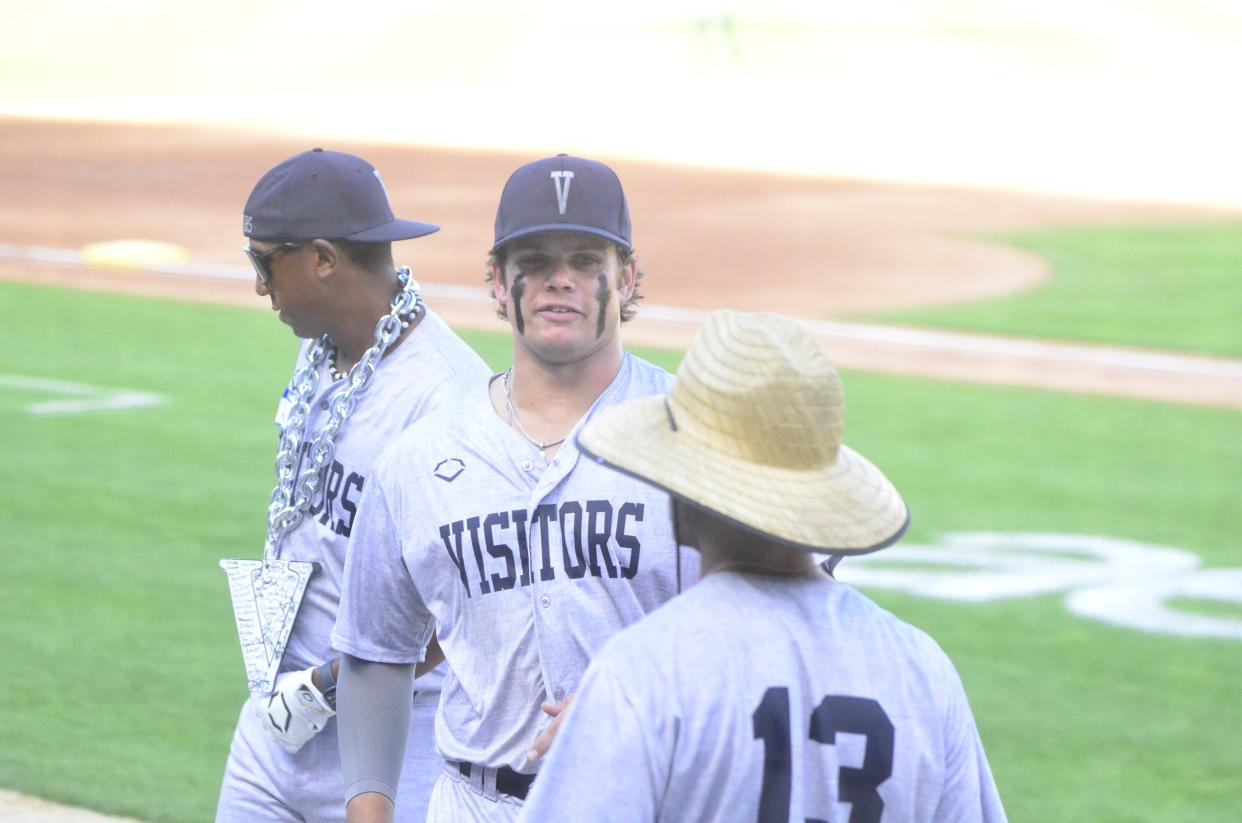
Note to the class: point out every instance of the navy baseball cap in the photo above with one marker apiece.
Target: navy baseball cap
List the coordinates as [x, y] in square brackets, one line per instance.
[563, 193]
[325, 194]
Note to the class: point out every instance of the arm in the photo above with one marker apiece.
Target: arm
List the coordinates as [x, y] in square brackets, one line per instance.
[969, 792]
[381, 618]
[373, 720]
[433, 657]
[317, 678]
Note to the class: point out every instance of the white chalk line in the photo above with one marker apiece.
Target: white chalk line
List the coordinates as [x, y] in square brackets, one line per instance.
[1015, 348]
[89, 398]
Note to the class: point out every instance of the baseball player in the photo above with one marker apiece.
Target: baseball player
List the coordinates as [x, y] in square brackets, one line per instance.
[484, 526]
[320, 229]
[769, 691]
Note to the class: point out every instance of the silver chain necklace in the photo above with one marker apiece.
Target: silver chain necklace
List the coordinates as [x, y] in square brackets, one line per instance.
[294, 492]
[267, 593]
[338, 375]
[514, 421]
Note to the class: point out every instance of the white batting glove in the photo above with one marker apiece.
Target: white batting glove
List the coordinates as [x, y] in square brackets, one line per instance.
[296, 711]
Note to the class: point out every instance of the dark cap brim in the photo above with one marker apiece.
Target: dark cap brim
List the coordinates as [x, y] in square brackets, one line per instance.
[396, 230]
[563, 227]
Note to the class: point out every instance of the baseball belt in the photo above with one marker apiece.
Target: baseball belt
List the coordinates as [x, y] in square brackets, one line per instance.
[507, 781]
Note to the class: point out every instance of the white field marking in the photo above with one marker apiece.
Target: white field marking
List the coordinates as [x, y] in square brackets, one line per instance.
[1035, 351]
[87, 398]
[1143, 607]
[1121, 582]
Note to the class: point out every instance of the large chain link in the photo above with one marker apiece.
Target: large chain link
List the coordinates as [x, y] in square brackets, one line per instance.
[294, 492]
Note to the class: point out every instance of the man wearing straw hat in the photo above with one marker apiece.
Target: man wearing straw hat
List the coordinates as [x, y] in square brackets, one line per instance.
[487, 529]
[768, 691]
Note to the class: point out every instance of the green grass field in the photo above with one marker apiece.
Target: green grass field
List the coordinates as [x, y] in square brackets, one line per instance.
[1156, 287]
[122, 665]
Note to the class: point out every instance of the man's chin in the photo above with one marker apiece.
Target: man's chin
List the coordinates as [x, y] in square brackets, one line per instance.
[557, 350]
[297, 330]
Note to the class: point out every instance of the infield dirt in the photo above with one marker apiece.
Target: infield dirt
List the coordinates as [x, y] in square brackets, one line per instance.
[810, 247]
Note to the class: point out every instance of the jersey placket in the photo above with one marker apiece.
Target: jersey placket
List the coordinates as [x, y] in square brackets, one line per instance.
[549, 598]
[560, 658]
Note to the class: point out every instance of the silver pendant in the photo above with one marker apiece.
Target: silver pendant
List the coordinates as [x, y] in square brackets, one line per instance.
[266, 596]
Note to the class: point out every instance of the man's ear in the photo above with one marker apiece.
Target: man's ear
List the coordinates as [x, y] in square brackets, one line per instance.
[499, 287]
[328, 258]
[627, 279]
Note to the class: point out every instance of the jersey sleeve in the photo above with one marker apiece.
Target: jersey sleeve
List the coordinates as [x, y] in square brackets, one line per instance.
[607, 763]
[382, 617]
[969, 792]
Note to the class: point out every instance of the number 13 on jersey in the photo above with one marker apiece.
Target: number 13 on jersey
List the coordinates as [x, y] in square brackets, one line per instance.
[835, 714]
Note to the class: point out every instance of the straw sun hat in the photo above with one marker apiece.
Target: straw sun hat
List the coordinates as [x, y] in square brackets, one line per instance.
[751, 430]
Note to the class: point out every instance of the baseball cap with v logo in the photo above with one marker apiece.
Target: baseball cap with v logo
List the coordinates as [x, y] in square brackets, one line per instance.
[563, 193]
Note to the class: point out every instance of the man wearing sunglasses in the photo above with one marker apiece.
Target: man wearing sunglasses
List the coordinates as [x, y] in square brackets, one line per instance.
[373, 359]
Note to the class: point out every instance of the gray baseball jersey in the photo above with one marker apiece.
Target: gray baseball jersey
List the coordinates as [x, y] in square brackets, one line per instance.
[523, 569]
[430, 368]
[751, 698]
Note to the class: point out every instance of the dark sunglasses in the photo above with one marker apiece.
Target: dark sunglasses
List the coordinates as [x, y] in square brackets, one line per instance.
[259, 259]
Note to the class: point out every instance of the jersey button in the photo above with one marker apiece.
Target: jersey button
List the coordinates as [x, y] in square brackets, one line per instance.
[545, 601]
[558, 695]
[527, 466]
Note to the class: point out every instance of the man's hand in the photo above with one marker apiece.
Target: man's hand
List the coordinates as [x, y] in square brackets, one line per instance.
[296, 711]
[557, 712]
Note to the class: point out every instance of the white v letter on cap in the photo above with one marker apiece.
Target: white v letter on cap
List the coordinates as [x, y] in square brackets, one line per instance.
[562, 179]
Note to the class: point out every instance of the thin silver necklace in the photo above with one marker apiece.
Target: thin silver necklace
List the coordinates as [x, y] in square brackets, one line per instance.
[514, 421]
